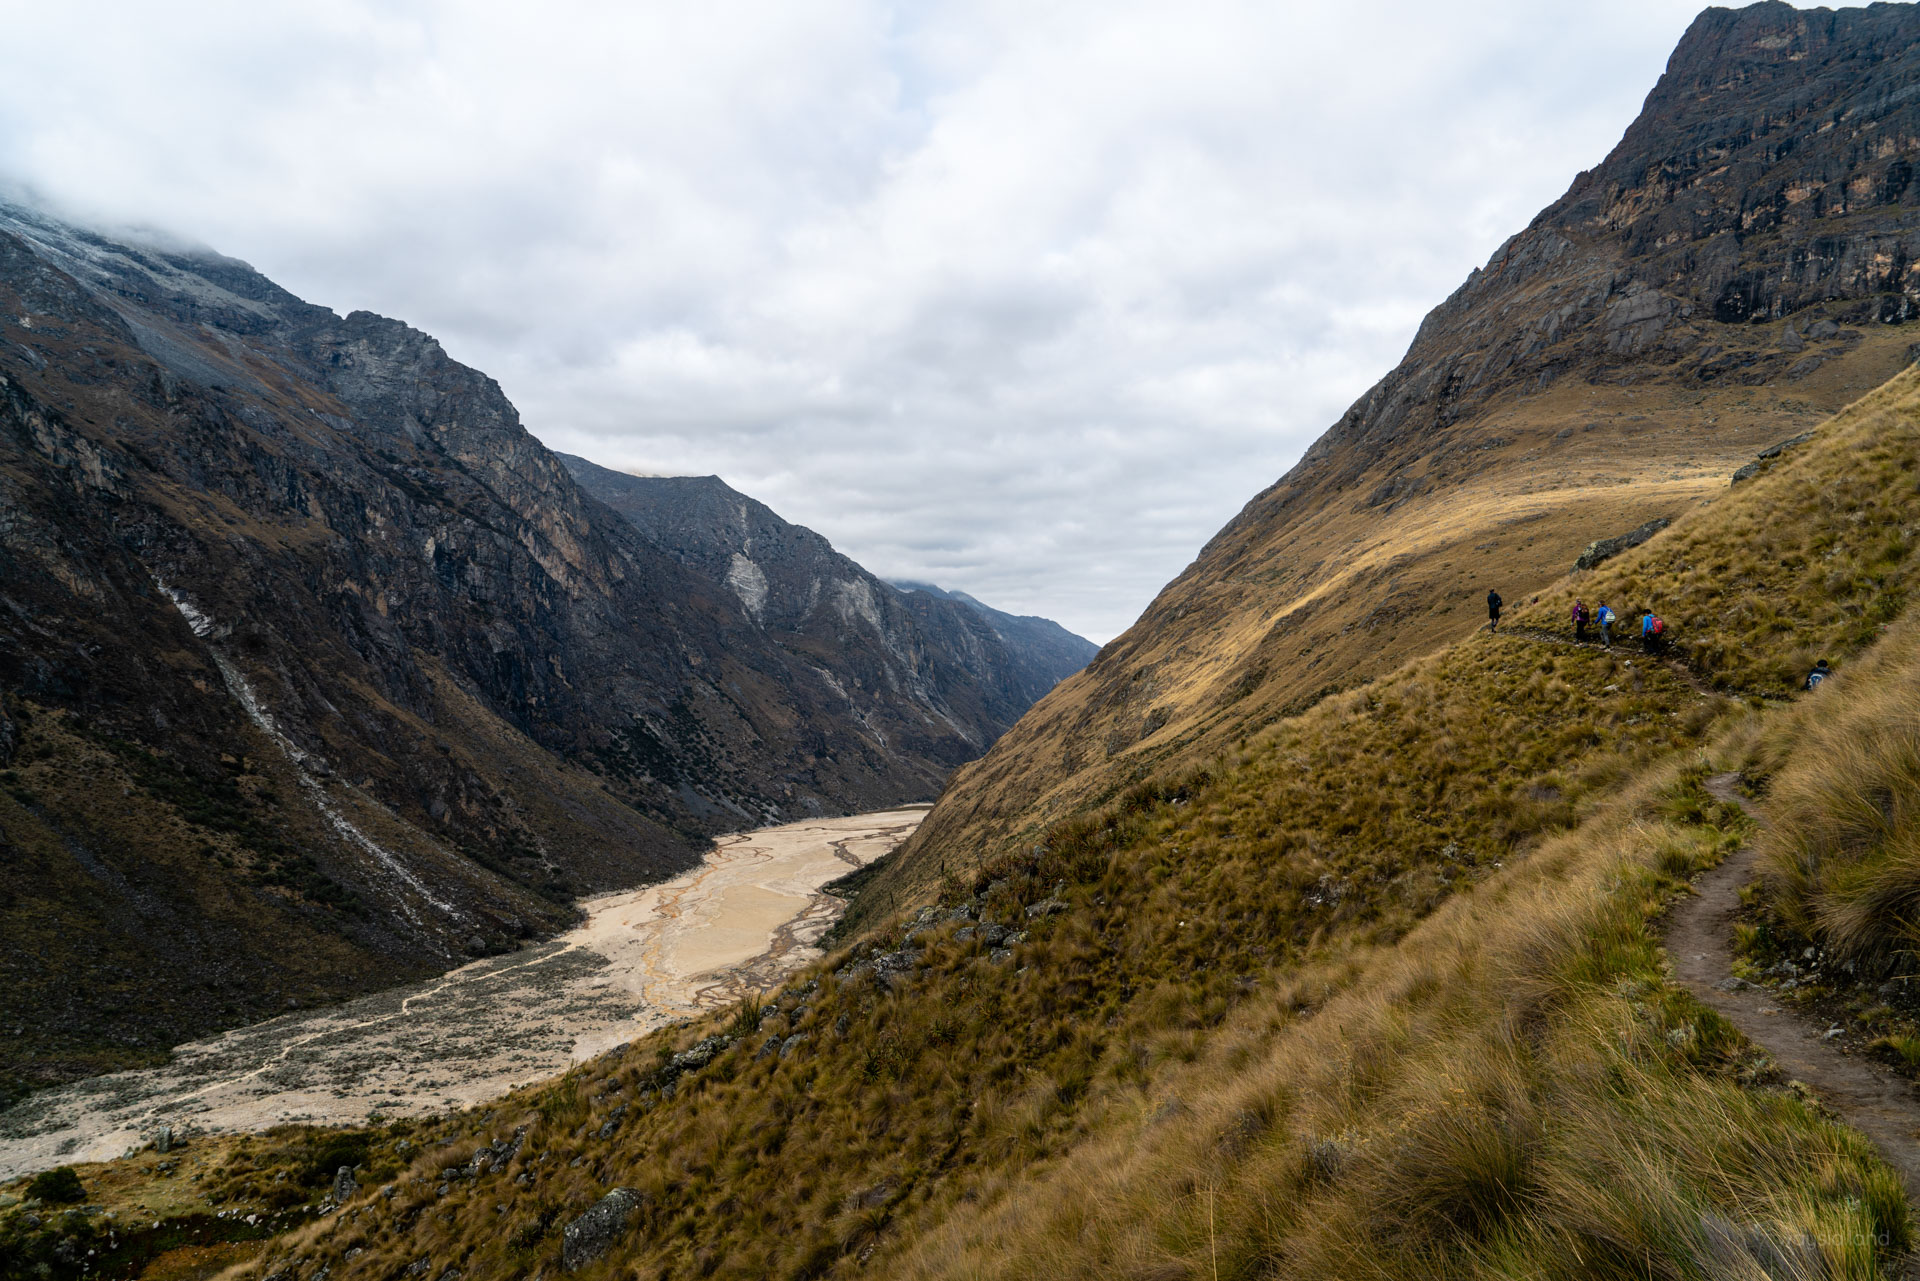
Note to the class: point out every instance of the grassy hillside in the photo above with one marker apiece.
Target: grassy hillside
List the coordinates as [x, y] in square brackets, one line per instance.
[1277, 612]
[1808, 560]
[1377, 991]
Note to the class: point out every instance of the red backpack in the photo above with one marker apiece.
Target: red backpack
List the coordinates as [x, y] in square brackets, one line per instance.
[1659, 625]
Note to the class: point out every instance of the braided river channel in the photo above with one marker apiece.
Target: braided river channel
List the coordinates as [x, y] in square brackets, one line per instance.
[751, 914]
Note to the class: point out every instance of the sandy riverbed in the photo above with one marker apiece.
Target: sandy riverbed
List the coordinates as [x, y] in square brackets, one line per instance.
[741, 922]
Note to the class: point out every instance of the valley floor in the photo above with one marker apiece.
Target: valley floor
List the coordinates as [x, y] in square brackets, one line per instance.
[742, 921]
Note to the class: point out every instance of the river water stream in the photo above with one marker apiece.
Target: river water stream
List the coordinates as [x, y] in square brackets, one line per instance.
[743, 920]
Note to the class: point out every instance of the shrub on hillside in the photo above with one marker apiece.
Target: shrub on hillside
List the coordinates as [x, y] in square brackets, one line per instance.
[58, 1186]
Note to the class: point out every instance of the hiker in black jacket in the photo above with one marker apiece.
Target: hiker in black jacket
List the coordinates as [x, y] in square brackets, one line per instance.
[1493, 610]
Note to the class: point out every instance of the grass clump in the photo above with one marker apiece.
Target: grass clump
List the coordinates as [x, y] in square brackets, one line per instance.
[1843, 849]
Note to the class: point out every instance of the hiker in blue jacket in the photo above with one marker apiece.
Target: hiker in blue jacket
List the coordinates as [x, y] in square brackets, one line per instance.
[1604, 617]
[1651, 631]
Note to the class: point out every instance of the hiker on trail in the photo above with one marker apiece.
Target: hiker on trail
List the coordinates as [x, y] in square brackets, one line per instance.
[1605, 619]
[1493, 610]
[1652, 632]
[1580, 621]
[1819, 673]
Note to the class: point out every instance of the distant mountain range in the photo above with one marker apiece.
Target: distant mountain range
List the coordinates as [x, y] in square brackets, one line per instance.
[318, 671]
[936, 670]
[1039, 639]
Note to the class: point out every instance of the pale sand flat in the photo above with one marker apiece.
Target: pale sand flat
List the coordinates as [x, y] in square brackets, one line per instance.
[751, 914]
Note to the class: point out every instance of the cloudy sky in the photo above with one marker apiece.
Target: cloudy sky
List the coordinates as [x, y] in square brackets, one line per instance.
[1023, 299]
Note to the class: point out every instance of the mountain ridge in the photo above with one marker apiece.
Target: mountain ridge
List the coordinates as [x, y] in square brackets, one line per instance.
[301, 622]
[795, 585]
[1740, 265]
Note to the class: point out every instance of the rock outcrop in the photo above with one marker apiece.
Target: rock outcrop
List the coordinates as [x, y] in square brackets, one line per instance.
[1767, 455]
[594, 1233]
[1601, 550]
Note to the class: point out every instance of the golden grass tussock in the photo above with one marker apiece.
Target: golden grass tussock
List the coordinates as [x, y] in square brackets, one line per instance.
[1376, 992]
[1843, 849]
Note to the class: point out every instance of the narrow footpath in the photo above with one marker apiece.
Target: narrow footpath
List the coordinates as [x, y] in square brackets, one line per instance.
[1669, 658]
[1881, 1105]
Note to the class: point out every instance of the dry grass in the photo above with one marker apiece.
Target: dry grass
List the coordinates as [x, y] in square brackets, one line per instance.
[1290, 862]
[1843, 850]
[1514, 1091]
[1810, 560]
[1328, 592]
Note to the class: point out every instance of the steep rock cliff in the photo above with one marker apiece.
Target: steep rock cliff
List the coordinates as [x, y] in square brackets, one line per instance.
[918, 667]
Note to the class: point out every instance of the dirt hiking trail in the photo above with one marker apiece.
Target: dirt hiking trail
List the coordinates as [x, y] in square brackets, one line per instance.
[1884, 1107]
[1668, 658]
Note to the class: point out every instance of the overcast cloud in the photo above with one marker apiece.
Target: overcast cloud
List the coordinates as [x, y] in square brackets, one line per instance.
[1023, 299]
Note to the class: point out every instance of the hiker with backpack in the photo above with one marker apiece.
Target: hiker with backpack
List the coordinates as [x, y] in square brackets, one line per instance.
[1493, 610]
[1605, 618]
[1580, 622]
[1653, 631]
[1819, 673]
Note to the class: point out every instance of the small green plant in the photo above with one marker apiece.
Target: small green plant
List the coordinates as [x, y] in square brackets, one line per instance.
[329, 1153]
[746, 1018]
[1906, 1045]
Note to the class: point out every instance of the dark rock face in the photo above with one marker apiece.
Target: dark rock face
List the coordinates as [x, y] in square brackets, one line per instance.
[317, 671]
[935, 671]
[1769, 173]
[1048, 647]
[1605, 549]
[590, 1236]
